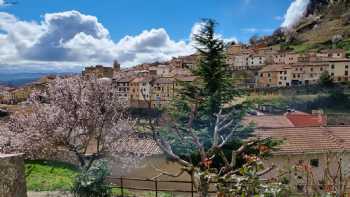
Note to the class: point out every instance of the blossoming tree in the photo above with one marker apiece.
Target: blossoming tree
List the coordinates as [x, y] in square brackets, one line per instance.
[85, 117]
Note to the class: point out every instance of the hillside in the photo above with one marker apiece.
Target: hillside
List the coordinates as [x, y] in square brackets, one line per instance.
[324, 20]
[326, 24]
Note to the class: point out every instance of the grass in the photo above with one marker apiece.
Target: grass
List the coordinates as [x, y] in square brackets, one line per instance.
[58, 176]
[49, 175]
[301, 47]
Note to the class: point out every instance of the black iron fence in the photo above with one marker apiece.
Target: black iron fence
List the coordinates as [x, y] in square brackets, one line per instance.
[150, 185]
[128, 186]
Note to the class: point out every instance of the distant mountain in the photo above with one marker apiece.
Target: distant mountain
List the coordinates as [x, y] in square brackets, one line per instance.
[19, 79]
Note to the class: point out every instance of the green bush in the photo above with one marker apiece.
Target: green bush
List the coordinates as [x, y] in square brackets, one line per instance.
[91, 182]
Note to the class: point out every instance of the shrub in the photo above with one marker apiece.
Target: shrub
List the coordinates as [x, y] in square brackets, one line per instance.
[91, 182]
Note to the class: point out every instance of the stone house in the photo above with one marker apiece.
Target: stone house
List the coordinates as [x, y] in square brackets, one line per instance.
[307, 73]
[307, 146]
[339, 69]
[121, 86]
[162, 91]
[275, 75]
[140, 91]
[256, 61]
[239, 61]
[291, 58]
[160, 70]
[98, 71]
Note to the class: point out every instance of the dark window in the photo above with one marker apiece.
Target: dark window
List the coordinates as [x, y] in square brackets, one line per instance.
[332, 66]
[300, 188]
[314, 162]
[346, 73]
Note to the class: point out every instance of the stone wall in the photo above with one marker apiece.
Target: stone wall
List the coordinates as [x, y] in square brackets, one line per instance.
[12, 176]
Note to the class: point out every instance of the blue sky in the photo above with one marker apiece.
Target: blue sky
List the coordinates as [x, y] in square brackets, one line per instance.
[69, 34]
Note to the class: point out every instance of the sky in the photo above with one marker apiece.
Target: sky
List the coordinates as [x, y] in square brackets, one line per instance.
[67, 35]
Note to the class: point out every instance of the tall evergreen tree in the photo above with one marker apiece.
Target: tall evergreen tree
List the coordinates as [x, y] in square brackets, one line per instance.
[212, 70]
[211, 90]
[213, 86]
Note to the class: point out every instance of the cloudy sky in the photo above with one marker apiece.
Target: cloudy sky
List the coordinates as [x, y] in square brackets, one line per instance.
[66, 35]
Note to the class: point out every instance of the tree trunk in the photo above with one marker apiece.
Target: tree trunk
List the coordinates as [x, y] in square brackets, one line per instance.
[203, 188]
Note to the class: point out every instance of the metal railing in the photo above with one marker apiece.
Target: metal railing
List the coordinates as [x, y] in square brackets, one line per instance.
[156, 186]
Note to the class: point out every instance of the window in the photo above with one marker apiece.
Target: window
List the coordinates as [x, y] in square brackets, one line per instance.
[269, 74]
[311, 69]
[332, 66]
[321, 69]
[300, 188]
[346, 66]
[346, 73]
[314, 162]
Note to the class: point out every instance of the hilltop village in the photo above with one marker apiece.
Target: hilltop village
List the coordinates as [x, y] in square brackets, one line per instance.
[258, 67]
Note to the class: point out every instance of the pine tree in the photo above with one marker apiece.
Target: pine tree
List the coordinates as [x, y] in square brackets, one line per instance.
[216, 87]
[212, 89]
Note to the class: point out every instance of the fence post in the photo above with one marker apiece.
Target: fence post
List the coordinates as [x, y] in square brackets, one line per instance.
[192, 192]
[121, 186]
[156, 186]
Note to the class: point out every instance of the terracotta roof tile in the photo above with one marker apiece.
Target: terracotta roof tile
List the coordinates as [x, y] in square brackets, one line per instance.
[139, 145]
[267, 121]
[309, 139]
[306, 120]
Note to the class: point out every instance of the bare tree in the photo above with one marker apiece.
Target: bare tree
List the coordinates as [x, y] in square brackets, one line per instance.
[333, 181]
[228, 176]
[85, 117]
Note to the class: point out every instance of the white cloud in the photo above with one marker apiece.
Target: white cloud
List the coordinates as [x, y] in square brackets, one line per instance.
[2, 2]
[67, 39]
[295, 11]
[74, 38]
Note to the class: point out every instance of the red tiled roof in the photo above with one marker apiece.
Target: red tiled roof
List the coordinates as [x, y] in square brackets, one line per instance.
[267, 121]
[306, 120]
[308, 139]
[290, 119]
